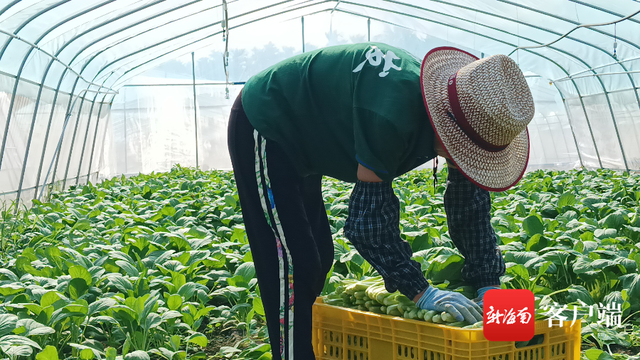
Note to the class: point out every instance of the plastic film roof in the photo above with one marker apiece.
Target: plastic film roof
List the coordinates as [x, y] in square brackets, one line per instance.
[63, 62]
[107, 42]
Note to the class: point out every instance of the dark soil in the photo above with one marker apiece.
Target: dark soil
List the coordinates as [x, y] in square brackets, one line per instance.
[219, 338]
[616, 349]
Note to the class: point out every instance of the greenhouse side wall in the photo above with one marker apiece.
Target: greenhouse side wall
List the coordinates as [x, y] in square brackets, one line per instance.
[40, 149]
[153, 128]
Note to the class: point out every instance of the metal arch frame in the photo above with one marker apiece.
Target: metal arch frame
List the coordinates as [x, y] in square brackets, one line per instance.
[28, 21]
[95, 137]
[84, 143]
[41, 87]
[635, 58]
[96, 76]
[634, 87]
[579, 2]
[606, 93]
[66, 121]
[506, 43]
[73, 137]
[53, 58]
[24, 61]
[604, 89]
[590, 68]
[57, 90]
[98, 73]
[9, 6]
[118, 80]
[62, 76]
[57, 160]
[93, 56]
[466, 30]
[62, 138]
[558, 89]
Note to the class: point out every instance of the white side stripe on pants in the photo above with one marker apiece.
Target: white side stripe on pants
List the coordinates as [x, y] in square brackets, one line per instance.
[286, 280]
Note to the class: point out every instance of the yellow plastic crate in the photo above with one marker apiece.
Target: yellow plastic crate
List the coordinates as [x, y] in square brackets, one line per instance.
[347, 334]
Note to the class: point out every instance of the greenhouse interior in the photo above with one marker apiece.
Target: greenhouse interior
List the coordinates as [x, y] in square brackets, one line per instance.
[122, 235]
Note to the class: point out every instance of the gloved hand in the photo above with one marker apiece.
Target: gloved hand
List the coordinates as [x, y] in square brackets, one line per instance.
[454, 303]
[482, 291]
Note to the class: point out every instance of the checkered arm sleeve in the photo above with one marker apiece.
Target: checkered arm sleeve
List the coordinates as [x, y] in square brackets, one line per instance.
[373, 227]
[468, 209]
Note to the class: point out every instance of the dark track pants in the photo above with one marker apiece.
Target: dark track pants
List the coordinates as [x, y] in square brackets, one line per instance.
[288, 231]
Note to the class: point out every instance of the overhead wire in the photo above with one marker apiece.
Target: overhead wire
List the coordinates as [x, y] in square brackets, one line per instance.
[574, 29]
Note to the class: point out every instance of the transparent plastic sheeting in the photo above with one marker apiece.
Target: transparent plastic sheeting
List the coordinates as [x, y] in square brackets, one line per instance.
[68, 157]
[153, 126]
[153, 129]
[587, 98]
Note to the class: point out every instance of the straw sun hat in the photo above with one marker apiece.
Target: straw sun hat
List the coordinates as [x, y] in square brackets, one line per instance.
[479, 110]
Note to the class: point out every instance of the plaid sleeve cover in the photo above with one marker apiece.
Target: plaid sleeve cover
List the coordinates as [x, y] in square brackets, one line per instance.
[468, 209]
[373, 227]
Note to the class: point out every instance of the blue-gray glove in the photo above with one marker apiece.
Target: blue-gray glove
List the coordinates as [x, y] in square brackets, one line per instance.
[454, 303]
[482, 291]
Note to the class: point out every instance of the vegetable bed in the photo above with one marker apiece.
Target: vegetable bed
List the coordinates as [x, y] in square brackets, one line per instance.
[158, 266]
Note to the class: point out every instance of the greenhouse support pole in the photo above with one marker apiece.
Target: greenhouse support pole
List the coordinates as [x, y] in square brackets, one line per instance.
[566, 109]
[123, 75]
[302, 20]
[615, 126]
[86, 137]
[104, 140]
[529, 47]
[28, 147]
[75, 132]
[70, 107]
[46, 141]
[95, 137]
[124, 116]
[369, 29]
[73, 141]
[593, 138]
[57, 151]
[195, 105]
[575, 140]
